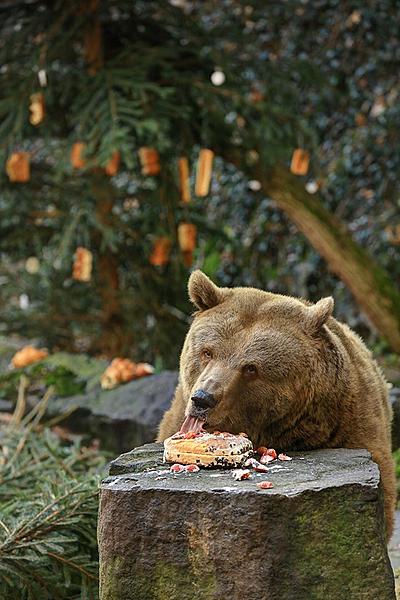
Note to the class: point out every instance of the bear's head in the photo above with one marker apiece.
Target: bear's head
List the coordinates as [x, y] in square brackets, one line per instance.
[253, 360]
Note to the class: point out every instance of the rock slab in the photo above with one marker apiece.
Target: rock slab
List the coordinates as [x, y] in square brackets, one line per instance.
[121, 418]
[316, 535]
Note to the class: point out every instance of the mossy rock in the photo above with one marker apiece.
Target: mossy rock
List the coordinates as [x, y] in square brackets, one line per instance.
[317, 534]
[124, 417]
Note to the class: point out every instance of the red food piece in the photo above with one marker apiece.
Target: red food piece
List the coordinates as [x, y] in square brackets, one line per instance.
[260, 468]
[190, 435]
[192, 468]
[176, 468]
[265, 485]
[284, 457]
[240, 474]
[271, 452]
[257, 466]
[266, 458]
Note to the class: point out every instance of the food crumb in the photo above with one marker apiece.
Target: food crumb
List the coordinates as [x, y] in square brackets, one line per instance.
[257, 466]
[267, 454]
[192, 468]
[241, 474]
[266, 458]
[265, 485]
[284, 457]
[176, 468]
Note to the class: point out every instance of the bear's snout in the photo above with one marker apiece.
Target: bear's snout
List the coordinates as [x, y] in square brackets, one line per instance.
[203, 400]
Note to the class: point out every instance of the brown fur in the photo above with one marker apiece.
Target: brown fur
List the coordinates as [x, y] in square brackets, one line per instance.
[316, 384]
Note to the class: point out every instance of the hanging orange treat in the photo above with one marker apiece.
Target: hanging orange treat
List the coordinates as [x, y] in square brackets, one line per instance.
[300, 162]
[27, 356]
[187, 258]
[184, 179]
[112, 166]
[204, 172]
[360, 119]
[256, 96]
[187, 233]
[82, 267]
[36, 108]
[150, 161]
[18, 167]
[76, 155]
[160, 254]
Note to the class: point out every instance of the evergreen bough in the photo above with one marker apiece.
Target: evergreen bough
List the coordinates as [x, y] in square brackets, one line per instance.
[48, 511]
[320, 75]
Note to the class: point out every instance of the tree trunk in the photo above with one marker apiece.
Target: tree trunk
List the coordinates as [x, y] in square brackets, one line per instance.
[114, 339]
[370, 285]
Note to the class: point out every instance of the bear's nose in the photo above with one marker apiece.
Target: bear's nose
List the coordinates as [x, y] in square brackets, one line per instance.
[204, 400]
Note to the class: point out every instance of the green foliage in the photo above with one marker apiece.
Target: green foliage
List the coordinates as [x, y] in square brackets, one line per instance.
[295, 75]
[67, 374]
[88, 370]
[396, 458]
[48, 507]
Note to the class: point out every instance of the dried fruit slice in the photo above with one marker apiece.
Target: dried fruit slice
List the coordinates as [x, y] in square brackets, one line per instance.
[257, 466]
[271, 452]
[192, 468]
[177, 468]
[265, 485]
[266, 458]
[284, 457]
[241, 474]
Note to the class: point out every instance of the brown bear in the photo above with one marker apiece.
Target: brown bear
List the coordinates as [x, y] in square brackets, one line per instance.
[284, 371]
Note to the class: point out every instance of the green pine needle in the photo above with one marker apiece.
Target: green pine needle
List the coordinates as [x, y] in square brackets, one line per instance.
[48, 506]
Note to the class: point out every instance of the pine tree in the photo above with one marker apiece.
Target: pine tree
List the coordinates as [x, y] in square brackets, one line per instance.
[252, 82]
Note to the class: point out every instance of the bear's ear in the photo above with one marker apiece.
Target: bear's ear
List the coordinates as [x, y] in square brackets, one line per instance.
[319, 313]
[203, 292]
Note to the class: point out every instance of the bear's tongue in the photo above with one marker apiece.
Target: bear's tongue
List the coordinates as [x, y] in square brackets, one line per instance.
[192, 424]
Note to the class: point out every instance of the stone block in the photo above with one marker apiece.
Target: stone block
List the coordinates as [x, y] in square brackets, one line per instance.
[121, 418]
[316, 535]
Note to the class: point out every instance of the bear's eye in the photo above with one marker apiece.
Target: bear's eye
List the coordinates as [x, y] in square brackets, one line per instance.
[250, 369]
[206, 354]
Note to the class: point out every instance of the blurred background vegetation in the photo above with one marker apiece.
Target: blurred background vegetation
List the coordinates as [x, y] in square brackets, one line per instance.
[252, 82]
